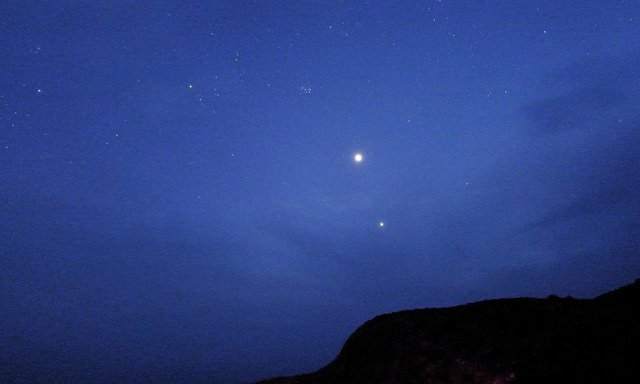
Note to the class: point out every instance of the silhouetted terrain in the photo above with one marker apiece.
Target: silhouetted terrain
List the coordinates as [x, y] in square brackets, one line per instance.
[523, 340]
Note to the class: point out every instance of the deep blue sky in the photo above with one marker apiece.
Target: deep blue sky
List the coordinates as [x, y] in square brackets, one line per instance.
[179, 200]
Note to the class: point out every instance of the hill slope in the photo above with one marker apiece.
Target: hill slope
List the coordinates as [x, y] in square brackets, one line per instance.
[524, 340]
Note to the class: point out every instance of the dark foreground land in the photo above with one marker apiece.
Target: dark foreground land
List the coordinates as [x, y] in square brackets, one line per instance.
[553, 340]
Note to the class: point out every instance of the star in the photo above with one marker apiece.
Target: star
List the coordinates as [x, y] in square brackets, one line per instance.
[381, 224]
[305, 90]
[358, 157]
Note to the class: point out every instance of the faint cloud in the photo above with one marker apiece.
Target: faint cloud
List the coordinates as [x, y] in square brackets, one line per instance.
[596, 174]
[577, 109]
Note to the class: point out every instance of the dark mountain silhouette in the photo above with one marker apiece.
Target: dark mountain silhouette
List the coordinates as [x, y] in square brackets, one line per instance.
[523, 340]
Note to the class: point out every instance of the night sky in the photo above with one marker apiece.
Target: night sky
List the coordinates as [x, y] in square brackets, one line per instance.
[179, 197]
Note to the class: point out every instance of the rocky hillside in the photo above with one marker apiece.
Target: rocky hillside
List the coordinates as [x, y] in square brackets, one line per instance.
[553, 340]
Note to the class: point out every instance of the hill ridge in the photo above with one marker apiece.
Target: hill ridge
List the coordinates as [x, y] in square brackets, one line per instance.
[511, 340]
